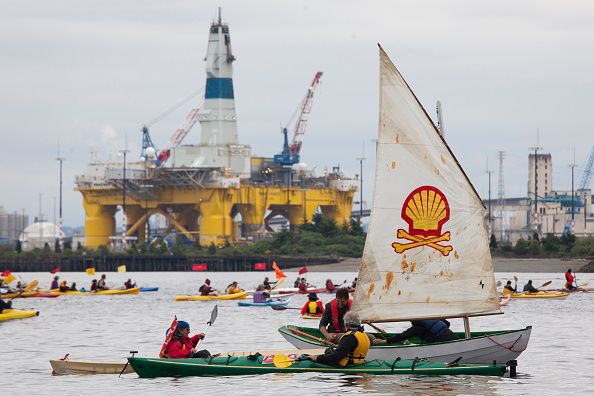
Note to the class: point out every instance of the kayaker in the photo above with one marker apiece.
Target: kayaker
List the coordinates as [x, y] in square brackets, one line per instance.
[268, 285]
[428, 330]
[64, 286]
[101, 284]
[313, 306]
[182, 346]
[303, 285]
[330, 285]
[296, 283]
[73, 287]
[5, 305]
[129, 285]
[569, 278]
[332, 322]
[352, 345]
[94, 285]
[261, 295]
[206, 290]
[55, 284]
[529, 288]
[233, 288]
[508, 289]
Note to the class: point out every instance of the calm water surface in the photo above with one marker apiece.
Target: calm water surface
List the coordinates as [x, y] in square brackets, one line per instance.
[558, 360]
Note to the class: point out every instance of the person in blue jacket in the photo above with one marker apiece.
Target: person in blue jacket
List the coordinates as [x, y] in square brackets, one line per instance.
[428, 330]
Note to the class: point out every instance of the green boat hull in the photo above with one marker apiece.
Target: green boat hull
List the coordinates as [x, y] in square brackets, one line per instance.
[241, 365]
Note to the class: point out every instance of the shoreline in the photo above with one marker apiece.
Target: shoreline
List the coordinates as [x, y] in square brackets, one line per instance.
[500, 264]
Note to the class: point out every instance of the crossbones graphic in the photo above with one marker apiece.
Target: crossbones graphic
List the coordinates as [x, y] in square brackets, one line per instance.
[419, 240]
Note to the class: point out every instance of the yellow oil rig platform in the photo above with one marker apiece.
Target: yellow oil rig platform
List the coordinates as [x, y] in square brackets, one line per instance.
[206, 190]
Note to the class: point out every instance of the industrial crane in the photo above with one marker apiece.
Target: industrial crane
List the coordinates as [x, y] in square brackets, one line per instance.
[290, 153]
[587, 172]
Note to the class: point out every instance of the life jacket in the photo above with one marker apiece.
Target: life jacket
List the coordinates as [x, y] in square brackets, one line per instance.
[313, 308]
[358, 355]
[175, 339]
[334, 310]
[569, 279]
[435, 329]
[259, 297]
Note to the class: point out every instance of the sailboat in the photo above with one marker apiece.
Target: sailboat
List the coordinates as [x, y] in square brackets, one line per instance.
[426, 255]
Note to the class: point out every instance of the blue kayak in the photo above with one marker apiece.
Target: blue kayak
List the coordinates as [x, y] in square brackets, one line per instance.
[149, 289]
[283, 303]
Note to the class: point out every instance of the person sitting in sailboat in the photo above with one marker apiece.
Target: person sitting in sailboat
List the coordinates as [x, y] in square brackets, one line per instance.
[508, 289]
[313, 306]
[528, 288]
[332, 323]
[428, 330]
[352, 345]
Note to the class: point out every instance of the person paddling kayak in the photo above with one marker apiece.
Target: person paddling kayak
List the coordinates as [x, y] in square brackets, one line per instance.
[528, 288]
[55, 284]
[569, 280]
[182, 346]
[233, 288]
[508, 289]
[332, 319]
[206, 289]
[5, 305]
[261, 295]
[64, 286]
[129, 284]
[352, 345]
[313, 306]
[101, 285]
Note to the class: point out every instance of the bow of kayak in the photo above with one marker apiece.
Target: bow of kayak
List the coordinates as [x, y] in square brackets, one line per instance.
[9, 314]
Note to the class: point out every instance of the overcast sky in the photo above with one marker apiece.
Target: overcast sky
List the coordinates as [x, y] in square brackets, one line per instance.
[89, 73]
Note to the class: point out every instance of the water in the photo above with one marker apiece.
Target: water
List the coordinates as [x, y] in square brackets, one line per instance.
[557, 360]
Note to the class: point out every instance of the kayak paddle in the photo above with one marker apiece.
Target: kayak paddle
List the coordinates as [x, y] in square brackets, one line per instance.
[213, 317]
[281, 307]
[283, 361]
[546, 284]
[27, 288]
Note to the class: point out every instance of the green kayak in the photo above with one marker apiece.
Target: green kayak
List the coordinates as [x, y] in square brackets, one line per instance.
[244, 365]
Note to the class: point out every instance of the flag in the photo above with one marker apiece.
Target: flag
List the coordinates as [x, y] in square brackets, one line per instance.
[57, 269]
[9, 278]
[303, 270]
[90, 271]
[277, 272]
[260, 266]
[199, 267]
[168, 335]
[5, 273]
[122, 268]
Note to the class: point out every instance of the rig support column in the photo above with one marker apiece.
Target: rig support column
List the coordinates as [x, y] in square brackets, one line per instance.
[99, 223]
[135, 213]
[215, 219]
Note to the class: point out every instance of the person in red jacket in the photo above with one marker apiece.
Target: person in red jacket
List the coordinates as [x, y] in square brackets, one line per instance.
[313, 307]
[569, 280]
[182, 346]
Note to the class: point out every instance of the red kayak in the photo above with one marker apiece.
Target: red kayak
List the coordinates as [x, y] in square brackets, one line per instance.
[47, 294]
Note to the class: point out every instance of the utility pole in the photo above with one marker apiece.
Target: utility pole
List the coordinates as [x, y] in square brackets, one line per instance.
[361, 159]
[489, 173]
[501, 192]
[61, 218]
[536, 148]
[572, 166]
[124, 221]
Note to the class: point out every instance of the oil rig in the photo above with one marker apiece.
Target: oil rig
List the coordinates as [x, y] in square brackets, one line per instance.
[206, 190]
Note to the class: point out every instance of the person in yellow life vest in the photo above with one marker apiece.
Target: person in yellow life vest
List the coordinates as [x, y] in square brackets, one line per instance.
[313, 307]
[233, 288]
[508, 289]
[352, 345]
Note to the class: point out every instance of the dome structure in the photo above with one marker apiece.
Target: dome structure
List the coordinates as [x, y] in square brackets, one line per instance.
[38, 234]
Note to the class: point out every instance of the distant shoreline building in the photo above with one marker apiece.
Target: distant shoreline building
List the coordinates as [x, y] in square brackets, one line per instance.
[12, 224]
[544, 210]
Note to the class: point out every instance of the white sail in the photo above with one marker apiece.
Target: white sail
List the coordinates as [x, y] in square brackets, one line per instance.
[426, 253]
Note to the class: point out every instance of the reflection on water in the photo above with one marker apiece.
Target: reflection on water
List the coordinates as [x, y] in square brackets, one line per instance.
[108, 327]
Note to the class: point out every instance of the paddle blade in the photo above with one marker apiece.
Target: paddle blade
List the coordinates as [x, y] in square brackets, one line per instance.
[584, 284]
[498, 283]
[282, 361]
[515, 278]
[213, 315]
[278, 307]
[32, 285]
[546, 283]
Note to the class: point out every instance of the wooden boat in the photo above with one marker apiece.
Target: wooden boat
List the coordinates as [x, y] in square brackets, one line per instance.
[234, 296]
[108, 292]
[64, 367]
[263, 304]
[244, 365]
[9, 314]
[482, 347]
[540, 294]
[426, 253]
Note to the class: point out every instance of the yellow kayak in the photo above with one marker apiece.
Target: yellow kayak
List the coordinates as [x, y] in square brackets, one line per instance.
[540, 294]
[22, 295]
[306, 316]
[134, 290]
[234, 296]
[9, 314]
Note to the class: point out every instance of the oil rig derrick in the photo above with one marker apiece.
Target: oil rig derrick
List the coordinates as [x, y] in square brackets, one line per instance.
[206, 190]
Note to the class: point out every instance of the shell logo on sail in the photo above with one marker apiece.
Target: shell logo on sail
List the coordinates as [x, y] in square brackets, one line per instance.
[425, 210]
